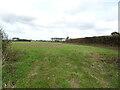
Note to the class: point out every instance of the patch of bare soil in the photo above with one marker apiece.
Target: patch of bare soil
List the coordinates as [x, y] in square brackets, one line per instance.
[74, 83]
[38, 45]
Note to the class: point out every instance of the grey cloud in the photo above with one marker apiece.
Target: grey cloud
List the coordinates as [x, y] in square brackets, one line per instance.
[103, 30]
[81, 26]
[13, 19]
[16, 31]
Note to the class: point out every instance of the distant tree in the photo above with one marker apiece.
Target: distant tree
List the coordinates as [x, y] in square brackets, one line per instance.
[57, 39]
[52, 39]
[15, 38]
[115, 33]
[67, 39]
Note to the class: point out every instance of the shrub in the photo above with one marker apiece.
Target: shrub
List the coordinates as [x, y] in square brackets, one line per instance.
[10, 57]
[5, 45]
[8, 54]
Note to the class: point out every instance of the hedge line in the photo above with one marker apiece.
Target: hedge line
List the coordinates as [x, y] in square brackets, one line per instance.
[23, 40]
[107, 40]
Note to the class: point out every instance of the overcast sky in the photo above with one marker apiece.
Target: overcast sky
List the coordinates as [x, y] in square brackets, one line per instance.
[44, 19]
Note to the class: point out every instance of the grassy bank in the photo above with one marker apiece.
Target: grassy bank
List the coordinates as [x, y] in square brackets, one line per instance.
[59, 65]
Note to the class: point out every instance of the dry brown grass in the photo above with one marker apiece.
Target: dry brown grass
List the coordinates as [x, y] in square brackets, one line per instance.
[37, 45]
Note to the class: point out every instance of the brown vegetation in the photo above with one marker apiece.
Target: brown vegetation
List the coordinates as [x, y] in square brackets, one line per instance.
[113, 41]
[37, 45]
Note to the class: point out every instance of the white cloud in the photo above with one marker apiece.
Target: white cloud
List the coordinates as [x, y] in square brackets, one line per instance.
[82, 17]
[43, 19]
[110, 25]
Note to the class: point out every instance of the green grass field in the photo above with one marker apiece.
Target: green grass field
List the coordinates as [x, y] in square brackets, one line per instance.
[60, 65]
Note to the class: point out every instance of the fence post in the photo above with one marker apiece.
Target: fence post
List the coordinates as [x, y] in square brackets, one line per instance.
[0, 60]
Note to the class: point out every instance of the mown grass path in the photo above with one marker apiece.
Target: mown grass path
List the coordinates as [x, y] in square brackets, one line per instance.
[59, 65]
